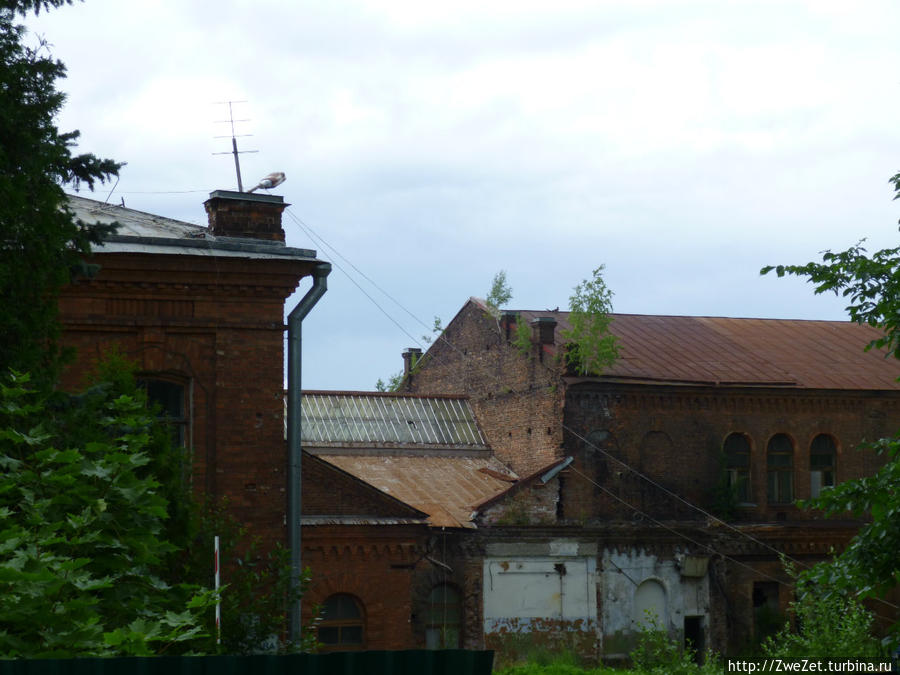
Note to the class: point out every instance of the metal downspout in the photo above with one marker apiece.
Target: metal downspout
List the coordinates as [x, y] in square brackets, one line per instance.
[295, 341]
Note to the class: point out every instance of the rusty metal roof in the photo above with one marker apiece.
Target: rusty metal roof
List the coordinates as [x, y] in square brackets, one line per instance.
[446, 488]
[745, 352]
[369, 419]
[426, 451]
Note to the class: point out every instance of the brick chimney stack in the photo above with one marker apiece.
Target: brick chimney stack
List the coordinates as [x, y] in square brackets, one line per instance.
[245, 215]
[411, 357]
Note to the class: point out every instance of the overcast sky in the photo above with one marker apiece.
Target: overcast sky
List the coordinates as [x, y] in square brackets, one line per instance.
[682, 144]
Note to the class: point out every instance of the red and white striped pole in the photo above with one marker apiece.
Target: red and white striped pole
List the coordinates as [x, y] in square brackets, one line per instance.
[218, 600]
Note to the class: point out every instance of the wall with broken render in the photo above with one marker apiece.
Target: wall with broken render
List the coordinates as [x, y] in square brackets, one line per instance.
[534, 504]
[635, 584]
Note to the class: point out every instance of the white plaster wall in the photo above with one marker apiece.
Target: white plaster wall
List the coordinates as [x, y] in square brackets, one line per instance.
[530, 587]
[622, 572]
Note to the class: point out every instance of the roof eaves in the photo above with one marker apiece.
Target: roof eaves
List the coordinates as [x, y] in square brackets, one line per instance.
[231, 244]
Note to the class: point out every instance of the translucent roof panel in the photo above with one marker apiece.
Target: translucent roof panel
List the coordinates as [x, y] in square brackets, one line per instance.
[335, 418]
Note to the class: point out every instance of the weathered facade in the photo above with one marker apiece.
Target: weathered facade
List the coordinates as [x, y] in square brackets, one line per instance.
[688, 457]
[200, 310]
[389, 486]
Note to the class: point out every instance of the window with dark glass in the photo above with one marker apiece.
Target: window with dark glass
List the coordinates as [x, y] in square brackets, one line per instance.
[444, 618]
[822, 456]
[780, 462]
[342, 626]
[169, 399]
[737, 465]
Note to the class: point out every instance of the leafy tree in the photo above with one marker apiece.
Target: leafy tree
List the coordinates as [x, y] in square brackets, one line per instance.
[41, 245]
[872, 286]
[83, 556]
[500, 293]
[829, 625]
[591, 347]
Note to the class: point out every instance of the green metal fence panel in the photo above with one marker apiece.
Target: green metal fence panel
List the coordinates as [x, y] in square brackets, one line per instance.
[408, 662]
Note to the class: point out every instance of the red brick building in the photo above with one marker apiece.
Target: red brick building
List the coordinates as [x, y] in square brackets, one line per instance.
[201, 311]
[687, 458]
[389, 487]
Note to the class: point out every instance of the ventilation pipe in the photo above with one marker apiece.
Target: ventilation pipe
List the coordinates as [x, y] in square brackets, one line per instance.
[295, 452]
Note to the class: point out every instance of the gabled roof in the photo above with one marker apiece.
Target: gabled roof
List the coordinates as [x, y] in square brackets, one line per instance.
[446, 488]
[141, 232]
[426, 451]
[334, 496]
[720, 351]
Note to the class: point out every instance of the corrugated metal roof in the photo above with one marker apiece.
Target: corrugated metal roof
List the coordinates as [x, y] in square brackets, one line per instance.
[446, 488]
[344, 419]
[751, 352]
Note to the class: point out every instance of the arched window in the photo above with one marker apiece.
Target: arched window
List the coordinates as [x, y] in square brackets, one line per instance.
[737, 465]
[822, 457]
[444, 618]
[780, 463]
[342, 627]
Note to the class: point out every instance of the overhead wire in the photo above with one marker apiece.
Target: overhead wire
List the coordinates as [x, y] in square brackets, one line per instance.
[312, 234]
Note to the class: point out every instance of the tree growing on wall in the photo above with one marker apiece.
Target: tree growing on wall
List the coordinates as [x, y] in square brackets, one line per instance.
[500, 292]
[42, 246]
[590, 346]
[871, 284]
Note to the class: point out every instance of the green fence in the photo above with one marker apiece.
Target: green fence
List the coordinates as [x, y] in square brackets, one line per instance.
[411, 662]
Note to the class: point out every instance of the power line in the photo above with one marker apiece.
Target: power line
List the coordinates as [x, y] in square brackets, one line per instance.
[310, 232]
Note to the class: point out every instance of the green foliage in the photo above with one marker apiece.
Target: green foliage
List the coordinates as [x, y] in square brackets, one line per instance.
[830, 625]
[500, 293]
[868, 565]
[872, 286]
[83, 556]
[257, 588]
[591, 347]
[436, 329]
[42, 245]
[393, 383]
[657, 653]
[522, 338]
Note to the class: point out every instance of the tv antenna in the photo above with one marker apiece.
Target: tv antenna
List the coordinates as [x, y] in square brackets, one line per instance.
[234, 137]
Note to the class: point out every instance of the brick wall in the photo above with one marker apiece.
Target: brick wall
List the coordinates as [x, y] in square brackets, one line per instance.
[674, 435]
[214, 325]
[375, 565]
[516, 397]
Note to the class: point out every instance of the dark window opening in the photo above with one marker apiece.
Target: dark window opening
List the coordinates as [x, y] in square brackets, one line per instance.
[694, 637]
[737, 466]
[342, 627]
[780, 474]
[168, 398]
[767, 617]
[444, 618]
[822, 455]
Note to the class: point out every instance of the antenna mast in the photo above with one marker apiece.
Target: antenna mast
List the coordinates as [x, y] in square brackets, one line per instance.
[234, 137]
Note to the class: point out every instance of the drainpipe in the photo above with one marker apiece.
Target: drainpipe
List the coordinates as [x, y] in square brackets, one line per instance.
[295, 321]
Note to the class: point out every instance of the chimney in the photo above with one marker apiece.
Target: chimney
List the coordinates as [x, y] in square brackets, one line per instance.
[245, 215]
[411, 357]
[542, 330]
[508, 320]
